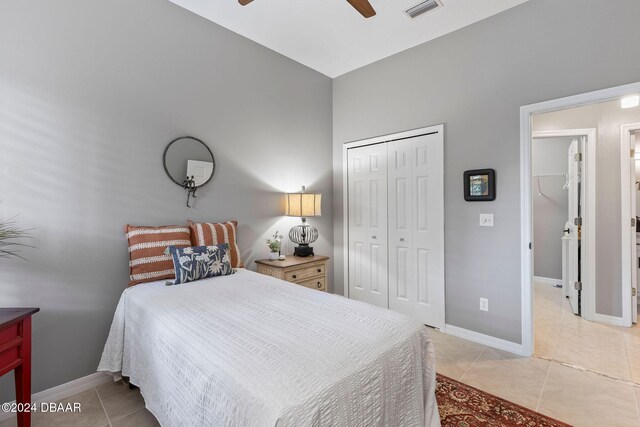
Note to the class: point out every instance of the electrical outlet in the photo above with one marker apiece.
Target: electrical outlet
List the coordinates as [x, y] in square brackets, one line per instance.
[486, 220]
[484, 304]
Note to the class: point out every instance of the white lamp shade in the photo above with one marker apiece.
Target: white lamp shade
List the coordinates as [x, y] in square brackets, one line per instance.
[303, 204]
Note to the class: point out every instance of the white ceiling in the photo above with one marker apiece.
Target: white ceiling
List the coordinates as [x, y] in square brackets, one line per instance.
[331, 37]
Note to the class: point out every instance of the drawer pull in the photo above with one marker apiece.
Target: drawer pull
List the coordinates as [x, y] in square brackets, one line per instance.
[319, 285]
[294, 276]
[319, 270]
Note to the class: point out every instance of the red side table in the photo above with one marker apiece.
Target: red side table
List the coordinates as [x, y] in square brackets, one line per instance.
[15, 353]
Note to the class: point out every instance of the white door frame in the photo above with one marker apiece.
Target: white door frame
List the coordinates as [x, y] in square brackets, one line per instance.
[345, 184]
[625, 149]
[526, 213]
[589, 216]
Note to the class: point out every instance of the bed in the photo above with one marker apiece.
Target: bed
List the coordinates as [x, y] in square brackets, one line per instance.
[251, 350]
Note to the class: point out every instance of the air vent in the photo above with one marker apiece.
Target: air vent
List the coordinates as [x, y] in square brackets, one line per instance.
[422, 8]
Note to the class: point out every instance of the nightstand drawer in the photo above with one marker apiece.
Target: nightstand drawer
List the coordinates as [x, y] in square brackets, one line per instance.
[310, 272]
[304, 273]
[317, 283]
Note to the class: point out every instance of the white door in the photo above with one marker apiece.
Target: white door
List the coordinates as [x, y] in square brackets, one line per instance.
[574, 228]
[634, 252]
[367, 186]
[629, 259]
[416, 228]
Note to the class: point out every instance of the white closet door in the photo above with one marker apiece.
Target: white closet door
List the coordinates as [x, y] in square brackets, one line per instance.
[401, 271]
[574, 230]
[634, 235]
[416, 228]
[367, 186]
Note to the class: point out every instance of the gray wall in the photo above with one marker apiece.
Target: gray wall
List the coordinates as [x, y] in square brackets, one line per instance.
[550, 204]
[606, 118]
[90, 94]
[474, 81]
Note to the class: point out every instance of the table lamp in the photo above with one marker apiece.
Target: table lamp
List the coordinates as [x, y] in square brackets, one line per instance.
[303, 205]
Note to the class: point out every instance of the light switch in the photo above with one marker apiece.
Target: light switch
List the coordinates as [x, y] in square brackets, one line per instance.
[486, 220]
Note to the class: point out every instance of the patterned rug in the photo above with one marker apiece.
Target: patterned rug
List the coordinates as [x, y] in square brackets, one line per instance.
[461, 405]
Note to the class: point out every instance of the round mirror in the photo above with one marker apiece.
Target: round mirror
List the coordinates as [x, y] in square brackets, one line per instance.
[188, 158]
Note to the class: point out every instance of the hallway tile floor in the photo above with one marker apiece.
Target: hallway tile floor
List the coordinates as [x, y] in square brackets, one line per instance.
[566, 338]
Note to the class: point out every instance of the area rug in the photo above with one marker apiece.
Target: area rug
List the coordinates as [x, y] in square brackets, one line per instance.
[461, 405]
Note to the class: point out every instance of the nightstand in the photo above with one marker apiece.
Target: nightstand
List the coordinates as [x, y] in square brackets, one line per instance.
[310, 272]
[15, 355]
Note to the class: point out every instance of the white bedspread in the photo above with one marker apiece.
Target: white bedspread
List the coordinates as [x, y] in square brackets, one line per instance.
[251, 350]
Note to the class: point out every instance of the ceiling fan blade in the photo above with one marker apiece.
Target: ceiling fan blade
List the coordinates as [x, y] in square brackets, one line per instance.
[364, 7]
[244, 2]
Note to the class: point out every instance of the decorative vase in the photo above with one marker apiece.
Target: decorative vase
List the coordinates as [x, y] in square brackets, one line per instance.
[274, 255]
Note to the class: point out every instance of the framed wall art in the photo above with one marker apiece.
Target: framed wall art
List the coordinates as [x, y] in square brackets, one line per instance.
[480, 185]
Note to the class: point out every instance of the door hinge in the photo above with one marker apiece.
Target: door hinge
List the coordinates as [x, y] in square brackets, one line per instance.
[633, 222]
[633, 152]
[577, 286]
[634, 292]
[577, 157]
[577, 221]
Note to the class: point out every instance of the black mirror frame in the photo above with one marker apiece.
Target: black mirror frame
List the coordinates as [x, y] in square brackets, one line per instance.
[164, 160]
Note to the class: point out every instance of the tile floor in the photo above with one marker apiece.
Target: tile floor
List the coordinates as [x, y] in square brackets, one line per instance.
[596, 390]
[577, 397]
[111, 404]
[581, 397]
[561, 336]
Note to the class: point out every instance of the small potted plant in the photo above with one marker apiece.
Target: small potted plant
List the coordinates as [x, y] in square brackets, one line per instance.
[274, 244]
[9, 239]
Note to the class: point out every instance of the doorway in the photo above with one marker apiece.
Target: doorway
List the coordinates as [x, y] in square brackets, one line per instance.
[630, 185]
[563, 165]
[597, 303]
[563, 231]
[583, 209]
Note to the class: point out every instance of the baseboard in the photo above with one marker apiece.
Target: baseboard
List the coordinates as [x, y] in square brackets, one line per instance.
[547, 280]
[609, 320]
[65, 390]
[487, 340]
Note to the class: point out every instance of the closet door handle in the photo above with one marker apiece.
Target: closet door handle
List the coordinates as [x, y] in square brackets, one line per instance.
[402, 239]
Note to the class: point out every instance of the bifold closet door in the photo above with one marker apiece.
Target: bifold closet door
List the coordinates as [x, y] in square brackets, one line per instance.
[416, 227]
[367, 186]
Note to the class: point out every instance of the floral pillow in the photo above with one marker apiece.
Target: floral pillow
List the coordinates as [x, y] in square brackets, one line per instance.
[199, 262]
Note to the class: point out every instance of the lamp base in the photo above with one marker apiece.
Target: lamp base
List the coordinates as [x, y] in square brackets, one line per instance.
[303, 251]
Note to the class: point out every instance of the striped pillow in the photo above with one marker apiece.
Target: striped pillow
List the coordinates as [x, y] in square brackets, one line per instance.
[147, 260]
[207, 234]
